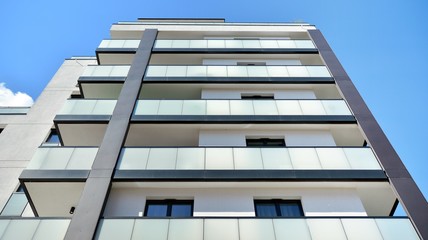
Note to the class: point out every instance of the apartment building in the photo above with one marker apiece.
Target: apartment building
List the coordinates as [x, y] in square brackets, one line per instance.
[200, 129]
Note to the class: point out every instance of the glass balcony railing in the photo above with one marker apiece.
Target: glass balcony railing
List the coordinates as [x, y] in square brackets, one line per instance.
[14, 110]
[238, 71]
[15, 205]
[239, 44]
[63, 158]
[253, 228]
[242, 107]
[33, 228]
[215, 44]
[88, 107]
[106, 71]
[247, 158]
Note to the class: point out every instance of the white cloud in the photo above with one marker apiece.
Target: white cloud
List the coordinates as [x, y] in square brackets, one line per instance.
[11, 99]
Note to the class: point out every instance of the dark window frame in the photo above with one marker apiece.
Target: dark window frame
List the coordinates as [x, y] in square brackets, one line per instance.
[277, 203]
[252, 142]
[169, 203]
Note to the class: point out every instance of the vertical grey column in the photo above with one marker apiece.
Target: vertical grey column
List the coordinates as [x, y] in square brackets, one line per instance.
[94, 196]
[402, 183]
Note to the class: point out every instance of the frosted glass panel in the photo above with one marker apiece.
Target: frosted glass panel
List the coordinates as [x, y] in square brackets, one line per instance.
[289, 107]
[257, 71]
[163, 43]
[216, 71]
[247, 158]
[286, 44]
[20, 229]
[102, 70]
[336, 107]
[3, 225]
[198, 44]
[244, 107]
[191, 158]
[294, 229]
[83, 106]
[277, 71]
[156, 71]
[216, 44]
[116, 43]
[38, 158]
[304, 44]
[15, 205]
[221, 229]
[298, 71]
[265, 107]
[219, 158]
[276, 158]
[147, 107]
[326, 229]
[251, 43]
[304, 158]
[162, 158]
[218, 107]
[188, 229]
[397, 229]
[82, 158]
[310, 107]
[269, 44]
[196, 71]
[332, 158]
[171, 107]
[57, 158]
[357, 229]
[194, 107]
[318, 71]
[256, 229]
[176, 71]
[237, 71]
[113, 229]
[150, 229]
[134, 158]
[119, 71]
[51, 229]
[131, 43]
[234, 44]
[104, 107]
[361, 158]
[180, 44]
[103, 44]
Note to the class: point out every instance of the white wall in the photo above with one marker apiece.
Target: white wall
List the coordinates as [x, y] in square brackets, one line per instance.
[292, 138]
[237, 202]
[236, 93]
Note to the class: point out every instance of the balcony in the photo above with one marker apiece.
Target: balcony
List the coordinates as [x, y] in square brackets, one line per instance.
[14, 110]
[254, 228]
[238, 74]
[33, 228]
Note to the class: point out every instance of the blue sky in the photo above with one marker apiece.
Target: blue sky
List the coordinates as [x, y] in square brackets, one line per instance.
[382, 45]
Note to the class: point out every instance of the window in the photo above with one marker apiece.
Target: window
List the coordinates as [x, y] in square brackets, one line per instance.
[169, 208]
[16, 204]
[278, 208]
[265, 142]
[53, 138]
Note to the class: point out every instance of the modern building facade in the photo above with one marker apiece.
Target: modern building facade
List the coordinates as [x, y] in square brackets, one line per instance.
[199, 129]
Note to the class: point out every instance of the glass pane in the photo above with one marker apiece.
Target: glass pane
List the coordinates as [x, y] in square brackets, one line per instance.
[15, 205]
[88, 71]
[361, 229]
[83, 107]
[104, 107]
[304, 158]
[318, 71]
[247, 158]
[297, 71]
[219, 158]
[397, 229]
[102, 71]
[103, 44]
[131, 43]
[113, 229]
[361, 158]
[326, 229]
[150, 229]
[181, 210]
[51, 229]
[234, 44]
[251, 43]
[216, 71]
[268, 43]
[290, 209]
[188, 229]
[156, 210]
[277, 71]
[20, 229]
[163, 43]
[57, 158]
[257, 71]
[221, 229]
[116, 43]
[194, 107]
[256, 229]
[286, 43]
[332, 158]
[162, 158]
[119, 71]
[38, 158]
[336, 107]
[241, 107]
[147, 107]
[216, 44]
[266, 210]
[288, 107]
[133, 158]
[276, 158]
[176, 71]
[156, 71]
[265, 107]
[170, 107]
[295, 229]
[82, 158]
[198, 44]
[196, 71]
[312, 107]
[180, 44]
[304, 44]
[218, 107]
[237, 71]
[3, 225]
[191, 158]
